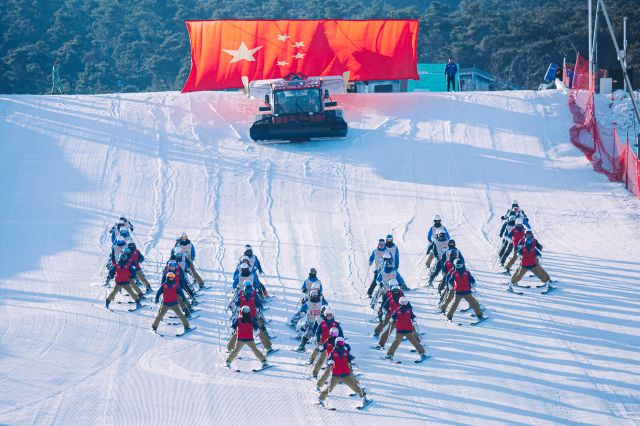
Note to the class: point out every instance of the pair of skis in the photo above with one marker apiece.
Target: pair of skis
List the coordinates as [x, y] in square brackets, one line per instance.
[188, 330]
[358, 407]
[254, 370]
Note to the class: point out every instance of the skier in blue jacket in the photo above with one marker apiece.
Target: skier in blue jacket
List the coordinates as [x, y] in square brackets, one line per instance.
[450, 72]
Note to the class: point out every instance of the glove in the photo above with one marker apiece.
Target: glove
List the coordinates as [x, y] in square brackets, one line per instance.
[330, 362]
[157, 301]
[392, 319]
[321, 348]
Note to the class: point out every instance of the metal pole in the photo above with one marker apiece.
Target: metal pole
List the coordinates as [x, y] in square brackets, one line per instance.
[595, 35]
[624, 47]
[624, 69]
[590, 46]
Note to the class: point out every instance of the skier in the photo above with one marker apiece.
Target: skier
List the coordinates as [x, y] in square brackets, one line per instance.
[393, 249]
[433, 235]
[55, 78]
[529, 253]
[325, 349]
[313, 282]
[253, 259]
[516, 211]
[170, 291]
[322, 334]
[404, 321]
[444, 256]
[516, 235]
[244, 326]
[338, 361]
[121, 224]
[378, 257]
[137, 258]
[436, 249]
[247, 297]
[313, 309]
[246, 275]
[505, 229]
[123, 272]
[188, 250]
[390, 303]
[450, 71]
[460, 283]
[389, 273]
[181, 281]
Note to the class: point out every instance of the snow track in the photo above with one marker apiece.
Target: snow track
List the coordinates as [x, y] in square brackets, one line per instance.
[172, 163]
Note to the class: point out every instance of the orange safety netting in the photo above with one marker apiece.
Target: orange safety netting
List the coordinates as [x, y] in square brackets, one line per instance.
[602, 146]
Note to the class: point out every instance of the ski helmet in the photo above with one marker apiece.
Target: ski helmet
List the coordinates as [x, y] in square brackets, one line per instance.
[511, 220]
[173, 264]
[453, 253]
[171, 276]
[123, 257]
[403, 301]
[312, 272]
[246, 283]
[528, 232]
[248, 250]
[131, 245]
[437, 218]
[381, 242]
[340, 341]
[178, 256]
[244, 266]
[514, 203]
[120, 241]
[451, 243]
[184, 236]
[519, 221]
[395, 289]
[124, 233]
[246, 309]
[334, 332]
[314, 297]
[127, 251]
[388, 265]
[244, 259]
[389, 238]
[442, 235]
[459, 264]
[328, 311]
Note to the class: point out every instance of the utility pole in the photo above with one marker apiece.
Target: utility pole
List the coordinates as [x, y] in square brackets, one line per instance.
[622, 62]
[624, 47]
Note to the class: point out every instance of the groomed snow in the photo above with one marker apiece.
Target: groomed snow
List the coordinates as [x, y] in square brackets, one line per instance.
[171, 162]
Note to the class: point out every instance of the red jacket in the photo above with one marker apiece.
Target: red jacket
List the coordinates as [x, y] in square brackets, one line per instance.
[392, 303]
[135, 257]
[123, 272]
[403, 317]
[325, 326]
[245, 329]
[251, 302]
[461, 282]
[517, 236]
[529, 256]
[169, 293]
[341, 360]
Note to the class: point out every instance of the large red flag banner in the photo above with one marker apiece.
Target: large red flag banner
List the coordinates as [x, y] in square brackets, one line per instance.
[224, 51]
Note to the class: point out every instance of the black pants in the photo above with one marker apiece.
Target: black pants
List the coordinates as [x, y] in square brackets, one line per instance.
[373, 284]
[451, 81]
[506, 253]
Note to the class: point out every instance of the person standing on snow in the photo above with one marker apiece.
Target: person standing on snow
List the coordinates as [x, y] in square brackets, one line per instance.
[188, 250]
[393, 249]
[377, 257]
[124, 272]
[55, 78]
[339, 362]
[529, 253]
[460, 284]
[450, 72]
[404, 321]
[170, 292]
[244, 326]
[433, 233]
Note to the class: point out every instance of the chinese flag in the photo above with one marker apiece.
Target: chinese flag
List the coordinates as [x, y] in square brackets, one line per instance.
[224, 51]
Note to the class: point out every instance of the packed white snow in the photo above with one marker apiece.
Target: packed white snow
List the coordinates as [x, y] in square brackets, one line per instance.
[71, 165]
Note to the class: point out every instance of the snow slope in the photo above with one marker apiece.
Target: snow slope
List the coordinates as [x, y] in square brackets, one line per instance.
[170, 162]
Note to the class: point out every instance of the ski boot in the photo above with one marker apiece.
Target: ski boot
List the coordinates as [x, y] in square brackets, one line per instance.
[107, 302]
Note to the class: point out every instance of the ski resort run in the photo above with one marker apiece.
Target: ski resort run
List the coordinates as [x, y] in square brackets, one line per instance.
[174, 163]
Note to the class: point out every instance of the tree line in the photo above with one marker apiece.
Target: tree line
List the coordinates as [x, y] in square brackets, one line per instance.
[109, 46]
